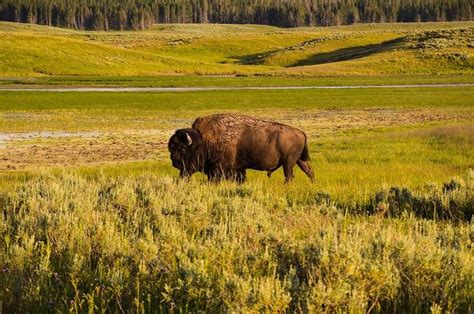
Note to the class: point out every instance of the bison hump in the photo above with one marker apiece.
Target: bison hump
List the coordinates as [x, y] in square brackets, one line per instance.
[226, 129]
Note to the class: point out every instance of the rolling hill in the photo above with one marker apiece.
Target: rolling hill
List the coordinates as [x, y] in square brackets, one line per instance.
[215, 49]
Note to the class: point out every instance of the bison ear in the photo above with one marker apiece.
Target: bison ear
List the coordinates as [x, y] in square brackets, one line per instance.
[189, 140]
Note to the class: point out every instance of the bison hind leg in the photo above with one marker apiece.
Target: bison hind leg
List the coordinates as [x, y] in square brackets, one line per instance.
[304, 165]
[288, 172]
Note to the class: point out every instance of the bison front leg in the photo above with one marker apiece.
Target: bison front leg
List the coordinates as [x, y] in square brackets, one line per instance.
[183, 174]
[214, 177]
[241, 176]
[235, 175]
[214, 174]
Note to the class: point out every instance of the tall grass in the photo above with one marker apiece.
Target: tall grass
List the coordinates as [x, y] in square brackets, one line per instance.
[76, 243]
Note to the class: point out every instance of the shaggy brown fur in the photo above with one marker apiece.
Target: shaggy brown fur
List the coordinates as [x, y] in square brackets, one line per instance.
[222, 132]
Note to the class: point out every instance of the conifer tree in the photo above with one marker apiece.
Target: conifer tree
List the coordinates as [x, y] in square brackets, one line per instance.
[141, 14]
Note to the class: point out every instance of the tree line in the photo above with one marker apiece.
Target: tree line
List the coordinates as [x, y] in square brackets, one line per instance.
[141, 14]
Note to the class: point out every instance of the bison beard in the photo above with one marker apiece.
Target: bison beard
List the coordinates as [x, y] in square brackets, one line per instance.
[224, 146]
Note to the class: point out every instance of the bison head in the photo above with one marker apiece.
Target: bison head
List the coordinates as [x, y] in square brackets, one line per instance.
[186, 149]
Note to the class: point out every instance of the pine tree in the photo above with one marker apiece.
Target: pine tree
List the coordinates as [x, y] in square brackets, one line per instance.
[141, 14]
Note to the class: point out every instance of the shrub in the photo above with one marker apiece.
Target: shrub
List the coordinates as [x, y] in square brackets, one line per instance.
[68, 243]
[454, 201]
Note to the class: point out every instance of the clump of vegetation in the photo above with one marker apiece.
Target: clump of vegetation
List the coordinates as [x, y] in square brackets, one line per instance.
[454, 201]
[442, 39]
[72, 243]
[452, 45]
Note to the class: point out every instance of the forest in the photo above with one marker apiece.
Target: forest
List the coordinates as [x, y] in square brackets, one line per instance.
[141, 14]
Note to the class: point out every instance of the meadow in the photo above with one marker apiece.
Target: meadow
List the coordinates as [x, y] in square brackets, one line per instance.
[33, 51]
[94, 219]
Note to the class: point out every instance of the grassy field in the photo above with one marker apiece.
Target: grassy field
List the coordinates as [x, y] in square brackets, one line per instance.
[228, 81]
[387, 49]
[94, 219]
[360, 140]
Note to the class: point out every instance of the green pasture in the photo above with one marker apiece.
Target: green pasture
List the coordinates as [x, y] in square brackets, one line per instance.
[230, 81]
[384, 228]
[191, 103]
[429, 137]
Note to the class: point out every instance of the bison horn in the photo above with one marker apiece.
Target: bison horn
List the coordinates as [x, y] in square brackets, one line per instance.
[189, 139]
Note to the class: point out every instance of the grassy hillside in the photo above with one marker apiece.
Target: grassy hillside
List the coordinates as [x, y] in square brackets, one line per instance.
[386, 49]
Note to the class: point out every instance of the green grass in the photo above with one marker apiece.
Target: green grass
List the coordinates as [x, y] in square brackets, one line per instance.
[360, 140]
[229, 50]
[231, 81]
[350, 166]
[36, 111]
[178, 103]
[129, 236]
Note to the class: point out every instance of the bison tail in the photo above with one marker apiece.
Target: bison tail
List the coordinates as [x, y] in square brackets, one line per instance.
[305, 153]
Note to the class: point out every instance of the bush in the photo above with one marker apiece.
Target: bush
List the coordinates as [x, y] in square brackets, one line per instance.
[68, 243]
[454, 201]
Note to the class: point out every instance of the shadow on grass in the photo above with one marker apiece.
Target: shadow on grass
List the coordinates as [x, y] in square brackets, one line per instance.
[350, 53]
[256, 58]
[343, 54]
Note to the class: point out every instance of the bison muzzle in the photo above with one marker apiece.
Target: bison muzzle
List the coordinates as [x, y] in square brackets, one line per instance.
[224, 146]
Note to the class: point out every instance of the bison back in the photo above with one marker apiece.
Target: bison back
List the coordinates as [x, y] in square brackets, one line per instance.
[221, 134]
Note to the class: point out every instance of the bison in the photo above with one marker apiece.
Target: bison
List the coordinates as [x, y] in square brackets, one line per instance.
[224, 146]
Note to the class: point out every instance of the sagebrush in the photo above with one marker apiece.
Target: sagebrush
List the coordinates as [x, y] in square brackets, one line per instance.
[148, 243]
